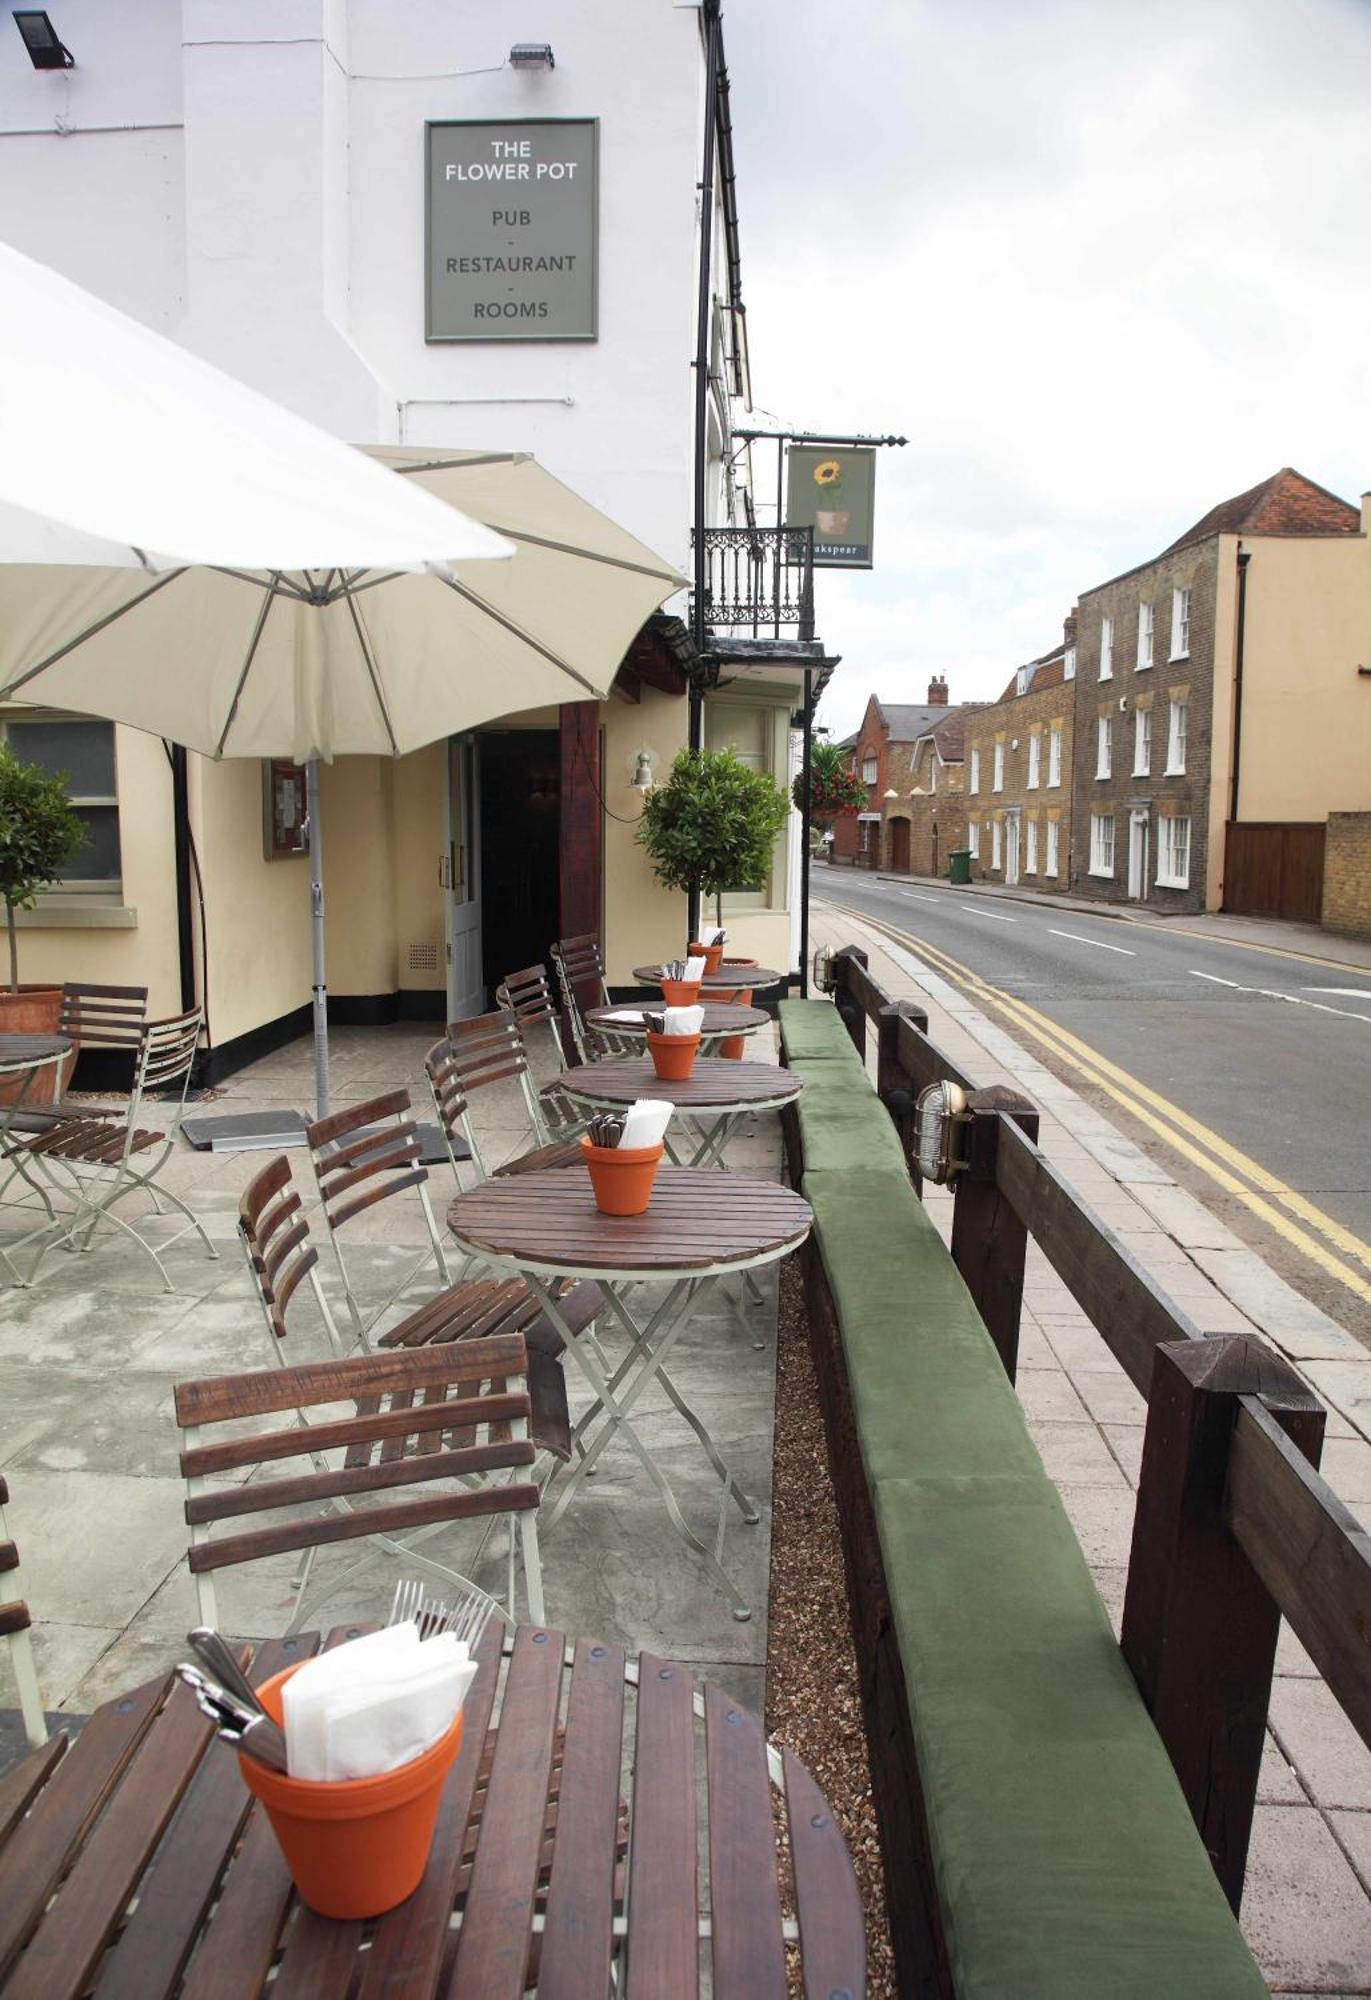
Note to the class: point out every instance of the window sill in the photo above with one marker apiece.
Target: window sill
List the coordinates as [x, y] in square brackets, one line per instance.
[1101, 777]
[78, 913]
[1142, 771]
[1174, 657]
[1172, 882]
[1102, 874]
[1143, 667]
[1107, 677]
[1174, 771]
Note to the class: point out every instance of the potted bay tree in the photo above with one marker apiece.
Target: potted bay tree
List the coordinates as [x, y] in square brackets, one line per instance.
[713, 824]
[40, 832]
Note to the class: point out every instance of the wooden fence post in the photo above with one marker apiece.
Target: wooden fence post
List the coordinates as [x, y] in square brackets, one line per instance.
[1199, 1627]
[989, 1243]
[895, 1087]
[853, 1016]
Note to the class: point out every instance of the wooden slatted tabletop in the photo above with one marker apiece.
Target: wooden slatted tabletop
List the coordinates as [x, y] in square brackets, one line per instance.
[722, 1017]
[729, 975]
[136, 1866]
[698, 1219]
[714, 1084]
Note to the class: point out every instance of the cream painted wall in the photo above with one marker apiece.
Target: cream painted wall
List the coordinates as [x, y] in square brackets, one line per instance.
[418, 794]
[257, 911]
[360, 875]
[643, 921]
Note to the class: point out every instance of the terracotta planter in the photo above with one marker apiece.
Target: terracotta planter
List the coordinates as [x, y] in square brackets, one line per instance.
[621, 1178]
[673, 1056]
[360, 1846]
[732, 1046]
[34, 1010]
[680, 992]
[712, 955]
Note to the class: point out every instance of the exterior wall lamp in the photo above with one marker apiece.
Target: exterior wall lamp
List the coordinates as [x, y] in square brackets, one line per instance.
[45, 46]
[532, 55]
[941, 1122]
[643, 780]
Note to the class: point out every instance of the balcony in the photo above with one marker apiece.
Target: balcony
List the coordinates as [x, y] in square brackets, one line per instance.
[760, 581]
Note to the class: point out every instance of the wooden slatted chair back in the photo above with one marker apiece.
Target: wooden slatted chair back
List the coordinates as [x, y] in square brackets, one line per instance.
[581, 977]
[166, 1053]
[528, 996]
[276, 1238]
[103, 1017]
[457, 1414]
[484, 1051]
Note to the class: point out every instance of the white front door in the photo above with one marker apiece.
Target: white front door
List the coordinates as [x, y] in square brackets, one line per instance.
[1011, 849]
[461, 876]
[1139, 841]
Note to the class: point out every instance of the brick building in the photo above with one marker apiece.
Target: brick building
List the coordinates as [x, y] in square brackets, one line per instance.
[1226, 655]
[927, 817]
[882, 752]
[1018, 776]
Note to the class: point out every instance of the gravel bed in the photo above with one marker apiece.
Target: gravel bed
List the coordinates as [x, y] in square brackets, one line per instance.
[812, 1701]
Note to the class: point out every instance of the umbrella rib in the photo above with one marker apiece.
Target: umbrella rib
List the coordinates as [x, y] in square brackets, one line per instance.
[587, 555]
[360, 630]
[519, 633]
[267, 603]
[170, 576]
[280, 583]
[462, 464]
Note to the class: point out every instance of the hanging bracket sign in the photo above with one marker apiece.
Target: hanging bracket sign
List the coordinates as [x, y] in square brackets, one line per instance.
[832, 489]
[511, 229]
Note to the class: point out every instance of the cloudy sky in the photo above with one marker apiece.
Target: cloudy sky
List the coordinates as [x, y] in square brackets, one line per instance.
[1102, 265]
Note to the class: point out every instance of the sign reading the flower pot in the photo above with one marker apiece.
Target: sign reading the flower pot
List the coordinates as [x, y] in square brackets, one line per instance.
[833, 491]
[511, 229]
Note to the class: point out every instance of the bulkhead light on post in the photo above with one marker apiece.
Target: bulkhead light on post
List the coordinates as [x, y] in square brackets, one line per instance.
[941, 1122]
[45, 46]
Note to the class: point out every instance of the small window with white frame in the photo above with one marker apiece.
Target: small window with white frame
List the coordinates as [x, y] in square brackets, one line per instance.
[1054, 754]
[1069, 664]
[973, 838]
[973, 782]
[932, 770]
[1035, 751]
[1052, 845]
[1102, 844]
[996, 829]
[1180, 624]
[1104, 746]
[1142, 742]
[1173, 851]
[1106, 649]
[869, 768]
[1147, 625]
[1023, 679]
[81, 749]
[997, 775]
[1176, 735]
[1030, 862]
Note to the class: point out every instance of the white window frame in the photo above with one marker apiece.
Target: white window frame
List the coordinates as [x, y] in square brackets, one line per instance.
[1169, 876]
[764, 730]
[870, 768]
[1142, 742]
[1106, 649]
[1104, 746]
[973, 783]
[1177, 733]
[997, 773]
[1035, 760]
[1054, 755]
[1052, 864]
[932, 770]
[1023, 679]
[1180, 623]
[997, 843]
[90, 888]
[1069, 664]
[973, 838]
[1102, 845]
[1030, 845]
[1147, 634]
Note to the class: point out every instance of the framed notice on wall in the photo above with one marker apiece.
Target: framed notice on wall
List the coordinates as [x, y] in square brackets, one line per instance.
[511, 229]
[833, 490]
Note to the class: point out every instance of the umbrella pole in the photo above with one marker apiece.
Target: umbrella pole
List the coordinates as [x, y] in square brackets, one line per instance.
[316, 911]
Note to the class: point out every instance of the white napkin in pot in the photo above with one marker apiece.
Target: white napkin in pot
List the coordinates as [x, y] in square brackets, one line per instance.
[646, 1121]
[373, 1704]
[695, 970]
[683, 1020]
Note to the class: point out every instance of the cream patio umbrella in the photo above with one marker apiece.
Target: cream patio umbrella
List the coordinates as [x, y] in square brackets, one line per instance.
[249, 587]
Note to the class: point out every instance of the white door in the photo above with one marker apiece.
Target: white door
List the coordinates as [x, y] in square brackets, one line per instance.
[1011, 849]
[460, 873]
[1139, 840]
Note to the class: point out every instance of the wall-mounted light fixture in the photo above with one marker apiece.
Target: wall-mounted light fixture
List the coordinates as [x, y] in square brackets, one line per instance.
[45, 46]
[941, 1122]
[643, 780]
[532, 55]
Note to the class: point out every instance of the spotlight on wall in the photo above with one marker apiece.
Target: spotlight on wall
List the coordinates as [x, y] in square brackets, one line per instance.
[44, 44]
[643, 780]
[532, 55]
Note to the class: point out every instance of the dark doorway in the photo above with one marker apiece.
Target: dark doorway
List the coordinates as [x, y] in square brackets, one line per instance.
[899, 846]
[520, 823]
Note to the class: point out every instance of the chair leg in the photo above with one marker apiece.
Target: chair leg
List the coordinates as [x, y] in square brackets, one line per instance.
[206, 1600]
[30, 1701]
[533, 1568]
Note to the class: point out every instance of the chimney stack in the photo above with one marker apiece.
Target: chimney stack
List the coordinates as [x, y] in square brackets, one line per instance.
[937, 690]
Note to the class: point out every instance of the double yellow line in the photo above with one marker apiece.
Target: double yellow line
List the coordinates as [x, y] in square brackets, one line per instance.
[1292, 1215]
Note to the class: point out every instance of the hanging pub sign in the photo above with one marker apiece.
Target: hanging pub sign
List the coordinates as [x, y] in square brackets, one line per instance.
[833, 491]
[511, 229]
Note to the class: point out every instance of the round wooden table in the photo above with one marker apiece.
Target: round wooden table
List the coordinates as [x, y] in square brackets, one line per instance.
[22, 1059]
[710, 1101]
[721, 1019]
[732, 978]
[560, 1857]
[700, 1228]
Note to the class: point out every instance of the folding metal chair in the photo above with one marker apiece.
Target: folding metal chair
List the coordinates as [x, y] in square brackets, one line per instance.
[14, 1630]
[580, 966]
[528, 995]
[91, 1017]
[101, 1161]
[444, 1419]
[474, 1055]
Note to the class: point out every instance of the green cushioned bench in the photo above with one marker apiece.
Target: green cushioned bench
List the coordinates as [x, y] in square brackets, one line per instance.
[1065, 1863]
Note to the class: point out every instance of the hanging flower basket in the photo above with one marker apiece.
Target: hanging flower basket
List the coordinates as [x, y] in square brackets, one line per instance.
[833, 794]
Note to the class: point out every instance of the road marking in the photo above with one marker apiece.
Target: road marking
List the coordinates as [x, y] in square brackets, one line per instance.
[1215, 980]
[915, 897]
[993, 915]
[1151, 1109]
[1294, 999]
[1341, 992]
[1098, 943]
[1237, 944]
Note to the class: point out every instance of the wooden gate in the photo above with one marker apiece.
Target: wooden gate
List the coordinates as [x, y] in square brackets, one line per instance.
[899, 846]
[1274, 868]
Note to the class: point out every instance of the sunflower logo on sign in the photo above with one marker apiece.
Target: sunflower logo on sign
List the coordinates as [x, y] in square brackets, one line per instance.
[831, 520]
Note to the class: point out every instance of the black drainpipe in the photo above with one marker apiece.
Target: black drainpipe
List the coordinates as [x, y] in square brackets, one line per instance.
[1243, 560]
[185, 922]
[703, 329]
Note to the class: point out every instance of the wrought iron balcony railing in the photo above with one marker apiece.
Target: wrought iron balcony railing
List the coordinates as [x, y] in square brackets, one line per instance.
[760, 581]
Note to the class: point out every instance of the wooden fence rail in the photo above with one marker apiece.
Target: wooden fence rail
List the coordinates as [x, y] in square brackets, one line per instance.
[1234, 1527]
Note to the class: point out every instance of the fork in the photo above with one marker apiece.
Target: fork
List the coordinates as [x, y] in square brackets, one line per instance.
[407, 1601]
[466, 1620]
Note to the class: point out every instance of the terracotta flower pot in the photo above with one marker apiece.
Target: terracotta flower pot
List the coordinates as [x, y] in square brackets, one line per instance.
[673, 1056]
[680, 992]
[34, 1010]
[712, 954]
[621, 1178]
[358, 1846]
[732, 1046]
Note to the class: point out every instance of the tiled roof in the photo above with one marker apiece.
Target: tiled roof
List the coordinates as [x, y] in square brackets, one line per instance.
[906, 722]
[1047, 673]
[1285, 504]
[950, 734]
